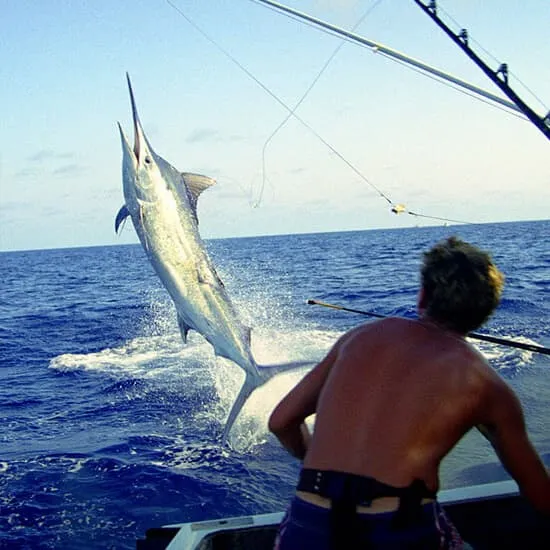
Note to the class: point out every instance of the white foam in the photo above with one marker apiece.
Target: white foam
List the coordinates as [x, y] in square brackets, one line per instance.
[250, 428]
[142, 357]
[505, 357]
[77, 465]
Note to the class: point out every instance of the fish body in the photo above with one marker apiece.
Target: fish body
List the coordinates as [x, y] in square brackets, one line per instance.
[162, 203]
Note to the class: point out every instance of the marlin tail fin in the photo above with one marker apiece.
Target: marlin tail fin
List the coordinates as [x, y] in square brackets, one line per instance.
[267, 372]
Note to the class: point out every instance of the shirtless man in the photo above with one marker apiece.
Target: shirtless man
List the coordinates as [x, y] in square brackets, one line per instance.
[392, 398]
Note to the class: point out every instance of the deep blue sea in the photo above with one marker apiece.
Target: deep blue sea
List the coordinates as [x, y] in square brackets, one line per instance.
[109, 424]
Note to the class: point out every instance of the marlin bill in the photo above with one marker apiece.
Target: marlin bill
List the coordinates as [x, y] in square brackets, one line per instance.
[162, 203]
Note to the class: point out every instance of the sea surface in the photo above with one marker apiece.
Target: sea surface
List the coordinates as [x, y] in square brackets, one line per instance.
[110, 425]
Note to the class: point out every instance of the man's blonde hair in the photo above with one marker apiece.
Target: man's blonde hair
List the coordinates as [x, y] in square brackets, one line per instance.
[462, 286]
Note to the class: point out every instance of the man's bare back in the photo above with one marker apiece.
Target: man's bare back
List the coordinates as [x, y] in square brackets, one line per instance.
[421, 389]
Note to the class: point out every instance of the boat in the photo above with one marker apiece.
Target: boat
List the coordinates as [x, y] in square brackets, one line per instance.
[488, 516]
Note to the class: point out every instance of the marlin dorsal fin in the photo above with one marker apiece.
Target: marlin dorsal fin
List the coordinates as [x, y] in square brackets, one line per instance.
[196, 184]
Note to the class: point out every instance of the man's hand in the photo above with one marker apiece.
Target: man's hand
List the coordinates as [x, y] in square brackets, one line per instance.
[295, 438]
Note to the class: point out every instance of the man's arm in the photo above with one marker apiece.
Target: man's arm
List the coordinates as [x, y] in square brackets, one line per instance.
[503, 425]
[287, 419]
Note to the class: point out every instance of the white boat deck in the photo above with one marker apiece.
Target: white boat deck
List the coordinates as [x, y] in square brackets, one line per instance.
[190, 535]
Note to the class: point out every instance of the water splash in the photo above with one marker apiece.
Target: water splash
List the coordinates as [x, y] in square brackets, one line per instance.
[507, 360]
[164, 359]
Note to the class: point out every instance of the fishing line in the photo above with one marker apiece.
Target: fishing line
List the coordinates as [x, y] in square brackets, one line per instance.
[485, 337]
[456, 88]
[417, 215]
[298, 118]
[306, 93]
[276, 98]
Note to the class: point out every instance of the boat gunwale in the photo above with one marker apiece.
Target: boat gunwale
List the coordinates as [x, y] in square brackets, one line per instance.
[191, 535]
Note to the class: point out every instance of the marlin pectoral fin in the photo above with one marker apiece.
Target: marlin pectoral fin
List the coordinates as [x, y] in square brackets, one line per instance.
[196, 184]
[184, 329]
[207, 274]
[248, 336]
[123, 213]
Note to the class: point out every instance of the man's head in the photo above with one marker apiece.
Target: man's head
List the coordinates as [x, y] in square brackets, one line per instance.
[461, 286]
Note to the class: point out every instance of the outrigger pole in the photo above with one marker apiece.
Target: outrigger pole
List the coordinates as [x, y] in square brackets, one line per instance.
[377, 47]
[485, 337]
[499, 77]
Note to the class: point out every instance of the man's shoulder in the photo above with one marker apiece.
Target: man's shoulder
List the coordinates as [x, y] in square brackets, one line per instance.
[484, 381]
[379, 333]
[388, 324]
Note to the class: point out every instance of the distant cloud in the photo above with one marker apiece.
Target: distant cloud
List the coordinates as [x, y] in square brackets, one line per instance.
[212, 172]
[26, 173]
[36, 171]
[203, 134]
[68, 170]
[231, 194]
[10, 206]
[52, 211]
[46, 155]
[48, 161]
[236, 138]
[209, 134]
[111, 193]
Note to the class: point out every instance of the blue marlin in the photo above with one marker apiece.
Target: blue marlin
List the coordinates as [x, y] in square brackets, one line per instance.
[162, 203]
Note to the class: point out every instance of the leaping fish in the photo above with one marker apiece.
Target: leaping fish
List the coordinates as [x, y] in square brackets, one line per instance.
[162, 203]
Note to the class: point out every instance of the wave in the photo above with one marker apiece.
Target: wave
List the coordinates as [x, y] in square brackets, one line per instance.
[505, 359]
[161, 369]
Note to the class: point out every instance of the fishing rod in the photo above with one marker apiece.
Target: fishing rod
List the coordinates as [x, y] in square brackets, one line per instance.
[377, 47]
[499, 77]
[485, 337]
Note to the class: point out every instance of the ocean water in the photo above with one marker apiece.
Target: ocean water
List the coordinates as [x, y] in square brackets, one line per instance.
[110, 424]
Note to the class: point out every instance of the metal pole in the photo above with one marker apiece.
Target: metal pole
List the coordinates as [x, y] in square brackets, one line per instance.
[381, 48]
[499, 77]
[502, 341]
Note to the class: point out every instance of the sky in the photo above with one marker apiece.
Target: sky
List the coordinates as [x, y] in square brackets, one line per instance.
[414, 140]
